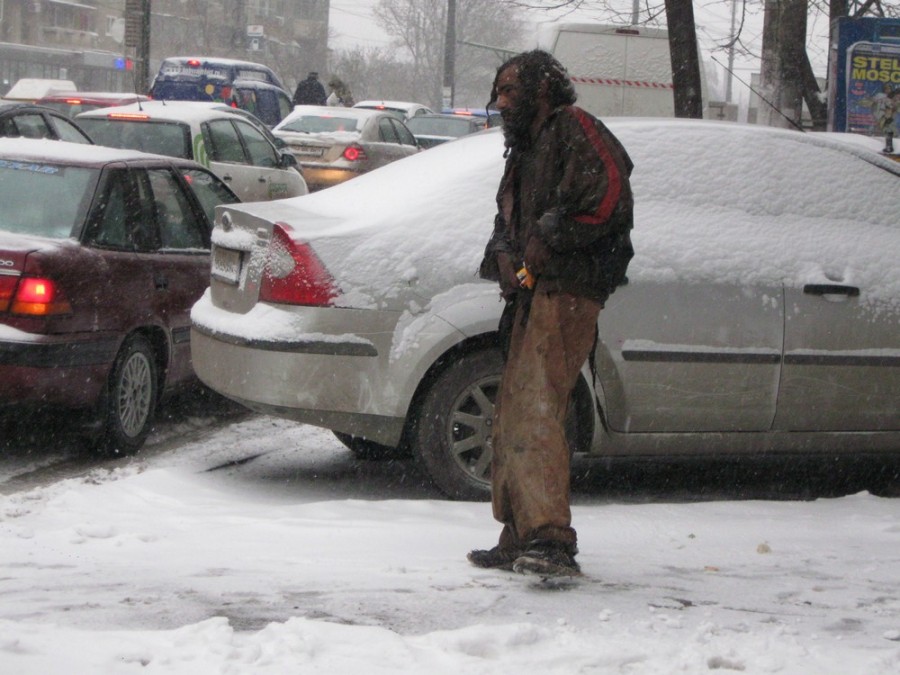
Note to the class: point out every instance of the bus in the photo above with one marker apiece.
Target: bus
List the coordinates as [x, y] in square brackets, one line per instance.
[89, 70]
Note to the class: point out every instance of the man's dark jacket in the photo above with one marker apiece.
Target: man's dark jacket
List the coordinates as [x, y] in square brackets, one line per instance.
[571, 189]
[310, 92]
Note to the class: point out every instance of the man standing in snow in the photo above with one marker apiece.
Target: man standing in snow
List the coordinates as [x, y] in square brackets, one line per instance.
[560, 246]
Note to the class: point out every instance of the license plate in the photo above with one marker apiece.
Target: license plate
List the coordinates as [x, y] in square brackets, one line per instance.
[308, 151]
[226, 265]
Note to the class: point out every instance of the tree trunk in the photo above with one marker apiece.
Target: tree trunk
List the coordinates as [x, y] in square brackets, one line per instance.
[783, 56]
[685, 60]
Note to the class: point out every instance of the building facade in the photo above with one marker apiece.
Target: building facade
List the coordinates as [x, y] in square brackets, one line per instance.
[88, 41]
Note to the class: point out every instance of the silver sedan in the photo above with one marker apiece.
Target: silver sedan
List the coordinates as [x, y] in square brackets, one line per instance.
[761, 314]
[334, 144]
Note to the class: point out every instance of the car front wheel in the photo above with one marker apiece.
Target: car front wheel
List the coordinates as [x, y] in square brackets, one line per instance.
[129, 404]
[452, 440]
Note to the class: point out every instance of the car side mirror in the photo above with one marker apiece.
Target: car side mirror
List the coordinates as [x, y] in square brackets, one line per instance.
[286, 160]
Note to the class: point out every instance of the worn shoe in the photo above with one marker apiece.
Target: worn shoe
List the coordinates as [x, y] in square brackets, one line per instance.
[494, 558]
[548, 559]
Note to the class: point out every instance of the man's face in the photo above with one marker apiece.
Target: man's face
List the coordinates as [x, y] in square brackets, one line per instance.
[517, 111]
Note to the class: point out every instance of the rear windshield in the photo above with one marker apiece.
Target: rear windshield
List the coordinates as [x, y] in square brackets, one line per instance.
[72, 109]
[192, 90]
[163, 138]
[48, 200]
[317, 124]
[437, 126]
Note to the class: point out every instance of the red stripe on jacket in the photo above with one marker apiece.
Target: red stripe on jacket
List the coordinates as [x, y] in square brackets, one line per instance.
[614, 189]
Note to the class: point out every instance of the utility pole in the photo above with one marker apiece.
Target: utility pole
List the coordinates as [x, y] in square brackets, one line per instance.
[449, 55]
[137, 37]
[728, 86]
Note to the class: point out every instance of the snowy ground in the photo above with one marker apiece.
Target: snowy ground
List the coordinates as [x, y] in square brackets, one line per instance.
[263, 547]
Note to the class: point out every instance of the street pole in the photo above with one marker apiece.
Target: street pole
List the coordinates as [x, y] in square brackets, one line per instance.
[144, 73]
[449, 55]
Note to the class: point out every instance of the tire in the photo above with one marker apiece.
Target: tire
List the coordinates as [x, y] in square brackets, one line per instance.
[129, 405]
[452, 438]
[363, 448]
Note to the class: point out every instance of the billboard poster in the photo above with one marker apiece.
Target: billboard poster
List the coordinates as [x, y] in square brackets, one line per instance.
[873, 88]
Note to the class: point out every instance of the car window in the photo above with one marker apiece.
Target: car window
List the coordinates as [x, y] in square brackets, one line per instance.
[179, 226]
[284, 106]
[260, 150]
[48, 200]
[403, 134]
[111, 225]
[224, 142]
[246, 99]
[266, 107]
[163, 138]
[387, 133]
[68, 131]
[210, 191]
[31, 125]
[316, 124]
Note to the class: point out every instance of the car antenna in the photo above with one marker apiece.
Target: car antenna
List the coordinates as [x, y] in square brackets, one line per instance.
[762, 98]
[134, 76]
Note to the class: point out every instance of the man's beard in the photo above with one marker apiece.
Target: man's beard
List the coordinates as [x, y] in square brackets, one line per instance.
[517, 124]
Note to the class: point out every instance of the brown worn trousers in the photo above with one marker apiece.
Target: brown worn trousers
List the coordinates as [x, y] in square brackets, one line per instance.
[530, 468]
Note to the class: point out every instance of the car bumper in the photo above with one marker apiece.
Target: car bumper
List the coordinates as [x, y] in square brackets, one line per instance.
[342, 369]
[321, 177]
[54, 370]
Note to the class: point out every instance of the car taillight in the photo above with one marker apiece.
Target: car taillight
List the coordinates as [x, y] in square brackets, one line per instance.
[294, 275]
[37, 296]
[7, 289]
[142, 117]
[355, 153]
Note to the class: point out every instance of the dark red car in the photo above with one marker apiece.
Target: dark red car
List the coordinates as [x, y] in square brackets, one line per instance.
[102, 254]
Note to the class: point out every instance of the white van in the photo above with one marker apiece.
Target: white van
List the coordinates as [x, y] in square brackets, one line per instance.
[616, 70]
[31, 89]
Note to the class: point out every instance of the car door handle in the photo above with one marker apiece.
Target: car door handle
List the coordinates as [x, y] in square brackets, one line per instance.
[226, 177]
[261, 179]
[831, 289]
[161, 281]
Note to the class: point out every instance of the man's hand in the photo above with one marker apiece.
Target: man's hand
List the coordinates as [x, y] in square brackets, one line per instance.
[537, 255]
[509, 282]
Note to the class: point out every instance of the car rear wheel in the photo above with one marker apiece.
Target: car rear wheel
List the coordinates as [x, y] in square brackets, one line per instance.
[129, 404]
[452, 439]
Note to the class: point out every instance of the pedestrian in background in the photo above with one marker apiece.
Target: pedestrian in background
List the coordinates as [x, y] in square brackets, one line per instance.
[340, 95]
[560, 246]
[310, 91]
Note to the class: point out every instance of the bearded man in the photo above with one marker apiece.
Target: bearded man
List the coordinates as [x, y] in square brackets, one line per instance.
[560, 246]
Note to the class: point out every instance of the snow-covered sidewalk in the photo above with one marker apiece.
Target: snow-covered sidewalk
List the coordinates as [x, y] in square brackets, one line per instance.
[280, 565]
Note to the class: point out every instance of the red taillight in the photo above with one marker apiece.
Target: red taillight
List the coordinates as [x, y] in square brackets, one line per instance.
[73, 101]
[7, 289]
[193, 63]
[294, 275]
[38, 297]
[354, 153]
[143, 117]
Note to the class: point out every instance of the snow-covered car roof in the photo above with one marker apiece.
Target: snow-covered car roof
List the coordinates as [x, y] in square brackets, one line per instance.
[191, 112]
[43, 150]
[370, 229]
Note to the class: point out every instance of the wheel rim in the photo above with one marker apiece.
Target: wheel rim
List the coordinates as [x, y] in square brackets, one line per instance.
[135, 394]
[471, 424]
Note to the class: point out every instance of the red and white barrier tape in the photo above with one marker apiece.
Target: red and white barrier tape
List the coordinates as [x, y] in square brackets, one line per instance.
[622, 83]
